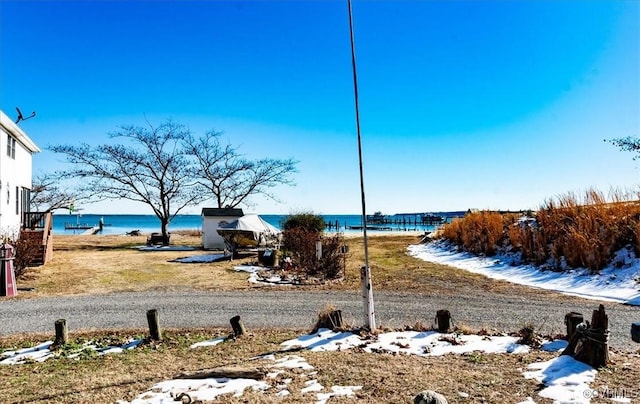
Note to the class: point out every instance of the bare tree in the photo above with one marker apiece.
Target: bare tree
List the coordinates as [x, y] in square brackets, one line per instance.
[152, 169]
[230, 177]
[50, 192]
[629, 143]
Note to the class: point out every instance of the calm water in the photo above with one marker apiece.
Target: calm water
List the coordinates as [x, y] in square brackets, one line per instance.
[121, 224]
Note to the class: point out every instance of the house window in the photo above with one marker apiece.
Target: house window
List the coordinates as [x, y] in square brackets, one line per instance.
[17, 200]
[11, 147]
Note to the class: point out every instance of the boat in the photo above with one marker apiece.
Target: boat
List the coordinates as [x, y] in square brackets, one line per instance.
[377, 218]
[249, 231]
[430, 219]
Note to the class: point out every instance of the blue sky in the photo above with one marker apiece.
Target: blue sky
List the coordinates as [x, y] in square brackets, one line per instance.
[463, 104]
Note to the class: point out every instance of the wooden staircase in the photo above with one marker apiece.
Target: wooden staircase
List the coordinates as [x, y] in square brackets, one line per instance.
[37, 229]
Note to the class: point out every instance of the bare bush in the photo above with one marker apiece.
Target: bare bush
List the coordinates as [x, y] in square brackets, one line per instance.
[27, 251]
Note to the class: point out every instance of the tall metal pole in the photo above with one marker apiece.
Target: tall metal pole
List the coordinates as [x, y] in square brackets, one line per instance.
[365, 271]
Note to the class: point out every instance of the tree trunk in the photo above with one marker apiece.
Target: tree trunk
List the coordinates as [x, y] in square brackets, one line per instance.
[164, 223]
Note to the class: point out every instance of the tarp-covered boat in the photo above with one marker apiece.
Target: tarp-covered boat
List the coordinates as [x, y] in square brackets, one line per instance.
[249, 231]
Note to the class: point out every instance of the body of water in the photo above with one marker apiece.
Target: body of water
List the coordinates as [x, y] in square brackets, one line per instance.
[122, 224]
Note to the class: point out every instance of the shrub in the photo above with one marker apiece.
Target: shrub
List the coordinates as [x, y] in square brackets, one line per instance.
[477, 232]
[308, 221]
[300, 236]
[26, 252]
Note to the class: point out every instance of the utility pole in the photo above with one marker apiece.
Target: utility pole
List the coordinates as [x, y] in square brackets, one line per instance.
[365, 271]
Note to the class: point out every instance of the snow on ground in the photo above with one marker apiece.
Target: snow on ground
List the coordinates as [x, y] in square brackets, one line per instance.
[278, 380]
[566, 380]
[562, 385]
[42, 352]
[266, 276]
[619, 282]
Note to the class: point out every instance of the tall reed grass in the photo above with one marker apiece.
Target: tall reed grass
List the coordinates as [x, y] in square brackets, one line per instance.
[577, 231]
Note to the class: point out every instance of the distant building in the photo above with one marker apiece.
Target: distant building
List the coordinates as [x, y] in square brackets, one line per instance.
[16, 152]
[212, 219]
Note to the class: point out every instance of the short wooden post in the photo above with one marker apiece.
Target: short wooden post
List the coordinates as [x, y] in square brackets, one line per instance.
[237, 326]
[443, 320]
[571, 320]
[154, 325]
[62, 333]
[635, 331]
[590, 344]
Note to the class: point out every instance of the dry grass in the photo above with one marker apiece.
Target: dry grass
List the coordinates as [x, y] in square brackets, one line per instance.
[489, 378]
[582, 231]
[99, 264]
[105, 264]
[102, 264]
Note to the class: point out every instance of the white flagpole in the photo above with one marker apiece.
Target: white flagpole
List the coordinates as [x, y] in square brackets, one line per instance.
[365, 271]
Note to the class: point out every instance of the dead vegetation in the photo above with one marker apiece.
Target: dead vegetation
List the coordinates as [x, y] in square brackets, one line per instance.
[568, 231]
[385, 377]
[100, 264]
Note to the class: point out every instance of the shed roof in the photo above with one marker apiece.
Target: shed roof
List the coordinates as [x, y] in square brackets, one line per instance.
[235, 212]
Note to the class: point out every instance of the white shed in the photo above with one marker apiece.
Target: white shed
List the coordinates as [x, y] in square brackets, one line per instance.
[212, 219]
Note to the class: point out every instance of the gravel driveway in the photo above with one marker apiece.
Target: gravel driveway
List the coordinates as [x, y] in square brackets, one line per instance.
[298, 309]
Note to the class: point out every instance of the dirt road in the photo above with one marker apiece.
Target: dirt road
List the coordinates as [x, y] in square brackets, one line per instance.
[298, 309]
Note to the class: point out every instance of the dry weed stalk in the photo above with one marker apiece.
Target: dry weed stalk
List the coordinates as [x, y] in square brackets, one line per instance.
[577, 231]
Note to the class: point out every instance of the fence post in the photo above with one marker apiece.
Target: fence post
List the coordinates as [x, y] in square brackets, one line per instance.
[572, 319]
[62, 333]
[443, 319]
[154, 325]
[237, 326]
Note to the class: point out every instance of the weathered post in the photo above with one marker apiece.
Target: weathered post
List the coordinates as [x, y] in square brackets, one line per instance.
[62, 333]
[154, 325]
[635, 331]
[571, 320]
[443, 320]
[590, 342]
[237, 326]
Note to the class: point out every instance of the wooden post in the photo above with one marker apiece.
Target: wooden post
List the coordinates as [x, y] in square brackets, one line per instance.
[572, 319]
[62, 333]
[443, 320]
[590, 344]
[635, 331]
[237, 326]
[154, 325]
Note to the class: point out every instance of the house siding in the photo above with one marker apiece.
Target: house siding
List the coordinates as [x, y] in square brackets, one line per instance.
[15, 176]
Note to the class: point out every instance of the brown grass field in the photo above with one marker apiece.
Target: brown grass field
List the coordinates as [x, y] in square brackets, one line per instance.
[100, 264]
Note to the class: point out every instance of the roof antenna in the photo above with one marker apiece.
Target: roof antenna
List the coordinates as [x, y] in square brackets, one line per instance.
[21, 117]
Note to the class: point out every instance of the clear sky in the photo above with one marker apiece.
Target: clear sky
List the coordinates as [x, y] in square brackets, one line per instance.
[463, 104]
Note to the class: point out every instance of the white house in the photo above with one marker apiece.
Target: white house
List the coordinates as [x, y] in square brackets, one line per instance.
[212, 219]
[16, 152]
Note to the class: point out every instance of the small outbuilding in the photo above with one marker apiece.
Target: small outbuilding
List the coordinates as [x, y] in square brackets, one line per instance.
[212, 220]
